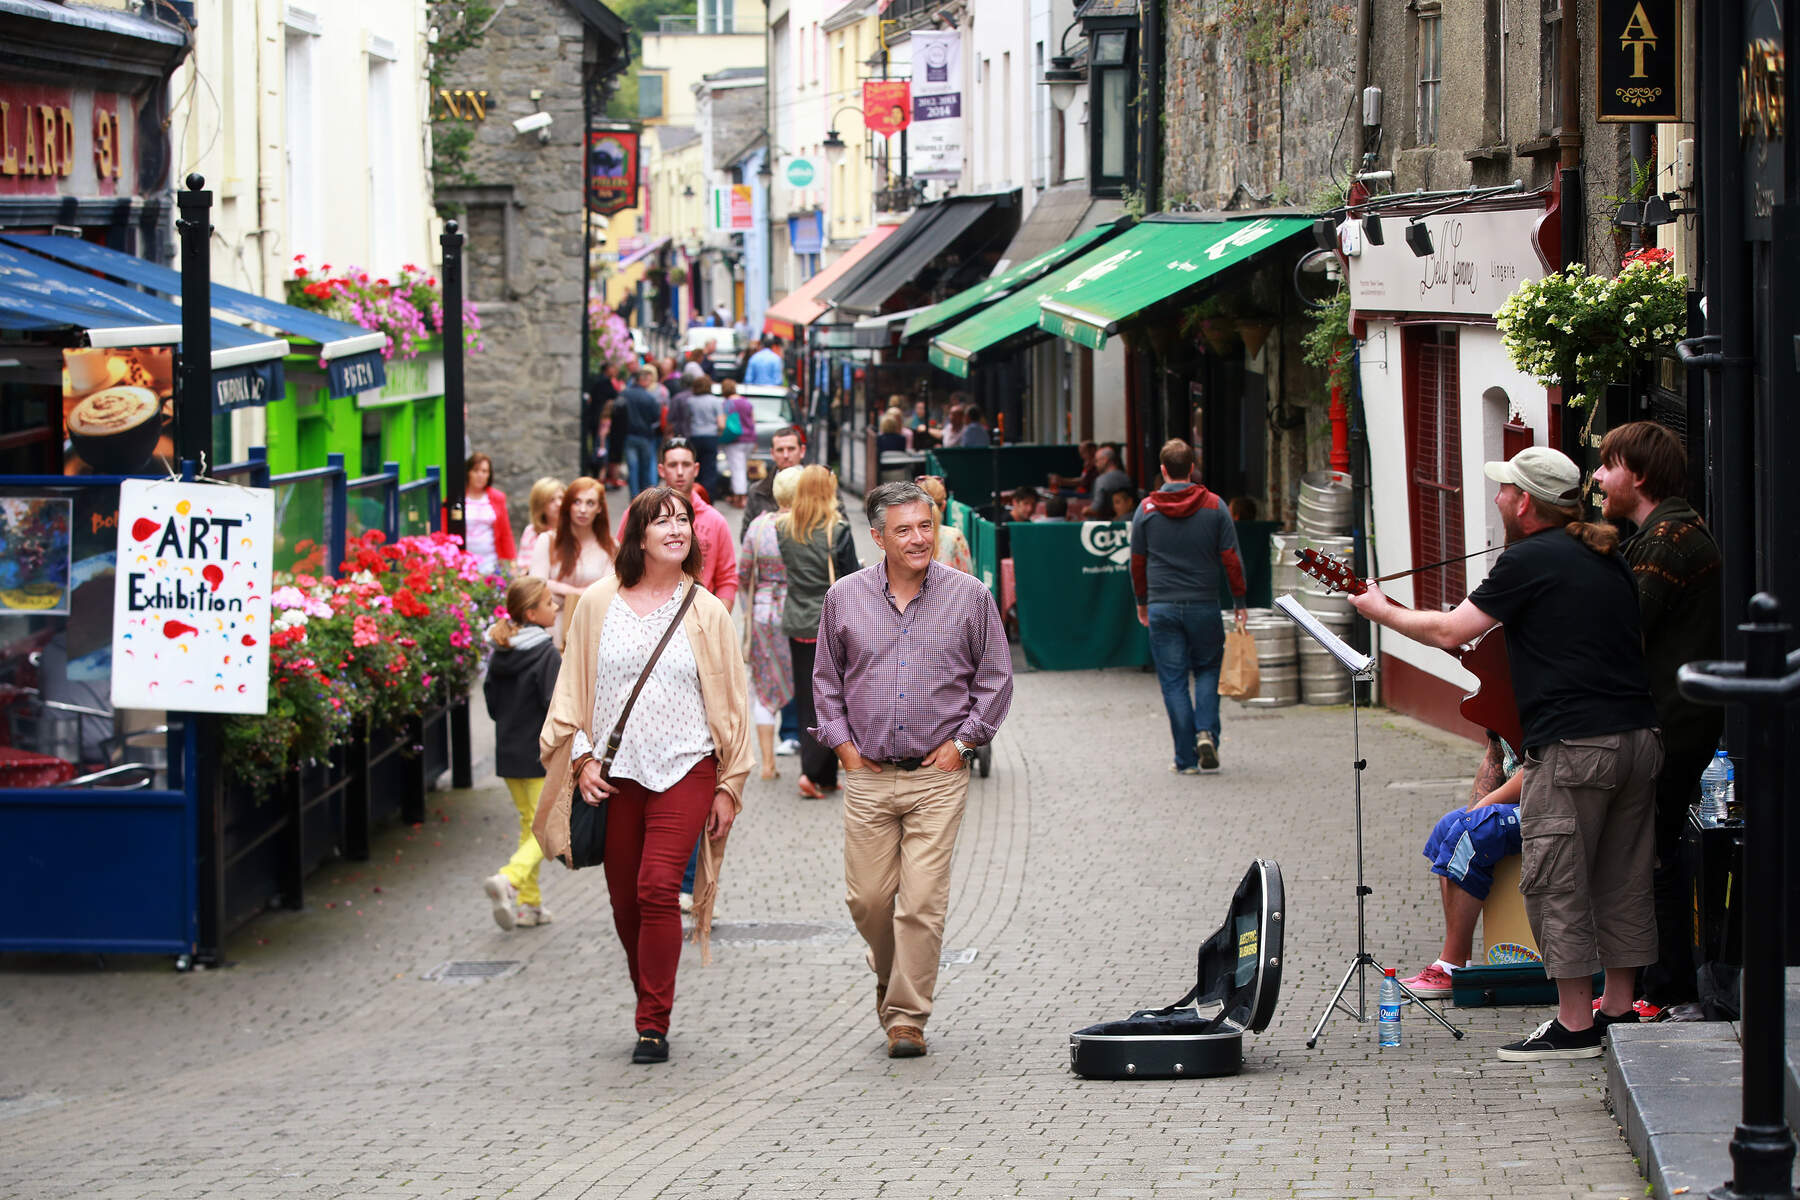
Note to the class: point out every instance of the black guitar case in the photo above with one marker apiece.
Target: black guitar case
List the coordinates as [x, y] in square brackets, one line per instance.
[1202, 1034]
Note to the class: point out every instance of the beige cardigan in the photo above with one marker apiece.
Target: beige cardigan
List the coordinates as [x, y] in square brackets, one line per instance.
[722, 690]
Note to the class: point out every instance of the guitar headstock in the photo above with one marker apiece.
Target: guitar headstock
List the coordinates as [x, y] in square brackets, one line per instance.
[1334, 573]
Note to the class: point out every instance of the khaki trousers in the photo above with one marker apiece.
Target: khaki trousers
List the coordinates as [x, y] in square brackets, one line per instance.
[1587, 818]
[899, 834]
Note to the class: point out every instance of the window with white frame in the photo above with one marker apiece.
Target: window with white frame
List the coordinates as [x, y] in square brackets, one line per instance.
[1431, 77]
[386, 247]
[305, 220]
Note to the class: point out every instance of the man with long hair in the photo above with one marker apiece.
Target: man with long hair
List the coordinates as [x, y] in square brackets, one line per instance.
[1643, 472]
[1569, 607]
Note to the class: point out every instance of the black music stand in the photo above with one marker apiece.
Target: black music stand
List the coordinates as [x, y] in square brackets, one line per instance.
[1361, 668]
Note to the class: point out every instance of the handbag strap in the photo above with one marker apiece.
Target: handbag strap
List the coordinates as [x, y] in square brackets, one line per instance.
[831, 553]
[618, 733]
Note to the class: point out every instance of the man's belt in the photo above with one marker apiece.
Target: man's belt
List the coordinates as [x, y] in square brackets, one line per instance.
[905, 764]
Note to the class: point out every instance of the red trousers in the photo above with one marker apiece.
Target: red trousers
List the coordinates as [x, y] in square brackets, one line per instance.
[649, 836]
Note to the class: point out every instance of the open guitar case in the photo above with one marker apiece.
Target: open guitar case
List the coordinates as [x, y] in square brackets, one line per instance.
[1202, 1034]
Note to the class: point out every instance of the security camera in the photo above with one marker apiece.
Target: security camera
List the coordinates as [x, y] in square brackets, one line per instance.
[537, 121]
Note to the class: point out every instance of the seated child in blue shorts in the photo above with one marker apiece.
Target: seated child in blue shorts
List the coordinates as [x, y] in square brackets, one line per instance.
[1464, 847]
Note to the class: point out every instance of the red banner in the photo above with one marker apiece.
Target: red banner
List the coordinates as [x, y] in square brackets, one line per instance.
[887, 106]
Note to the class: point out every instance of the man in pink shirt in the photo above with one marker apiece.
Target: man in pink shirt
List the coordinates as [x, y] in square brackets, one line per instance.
[679, 468]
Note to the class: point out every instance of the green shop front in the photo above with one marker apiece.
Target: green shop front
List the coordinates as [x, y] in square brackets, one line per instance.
[401, 421]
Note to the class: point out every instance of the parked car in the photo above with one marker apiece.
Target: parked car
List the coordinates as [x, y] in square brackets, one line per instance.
[723, 363]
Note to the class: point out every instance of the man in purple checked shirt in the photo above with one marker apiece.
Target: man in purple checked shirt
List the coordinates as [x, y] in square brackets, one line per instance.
[912, 674]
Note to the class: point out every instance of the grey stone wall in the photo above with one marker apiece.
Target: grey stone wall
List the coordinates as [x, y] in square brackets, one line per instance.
[1254, 96]
[1493, 126]
[524, 250]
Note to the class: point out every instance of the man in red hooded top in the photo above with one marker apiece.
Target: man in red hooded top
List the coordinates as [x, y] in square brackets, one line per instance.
[1182, 539]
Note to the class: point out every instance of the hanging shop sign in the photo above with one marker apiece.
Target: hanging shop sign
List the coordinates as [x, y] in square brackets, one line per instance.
[937, 105]
[733, 208]
[1477, 260]
[1762, 119]
[887, 106]
[1638, 61]
[191, 597]
[62, 140]
[248, 385]
[801, 172]
[806, 232]
[612, 170]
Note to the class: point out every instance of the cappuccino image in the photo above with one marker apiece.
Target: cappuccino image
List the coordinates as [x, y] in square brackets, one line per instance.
[113, 410]
[117, 428]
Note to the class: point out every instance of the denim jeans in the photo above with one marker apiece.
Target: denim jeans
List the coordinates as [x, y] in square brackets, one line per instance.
[1188, 640]
[640, 461]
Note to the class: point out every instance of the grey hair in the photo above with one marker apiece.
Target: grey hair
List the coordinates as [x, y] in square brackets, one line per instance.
[890, 494]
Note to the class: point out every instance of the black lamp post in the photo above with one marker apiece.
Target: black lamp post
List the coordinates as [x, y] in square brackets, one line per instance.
[193, 396]
[1762, 1149]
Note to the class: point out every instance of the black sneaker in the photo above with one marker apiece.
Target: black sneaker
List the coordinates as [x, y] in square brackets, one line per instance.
[1604, 1020]
[650, 1048]
[1207, 749]
[1551, 1041]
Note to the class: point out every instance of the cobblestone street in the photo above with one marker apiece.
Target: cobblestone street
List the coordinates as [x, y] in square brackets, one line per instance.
[322, 1064]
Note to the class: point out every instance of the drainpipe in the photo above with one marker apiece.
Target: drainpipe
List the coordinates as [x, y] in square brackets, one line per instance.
[1150, 142]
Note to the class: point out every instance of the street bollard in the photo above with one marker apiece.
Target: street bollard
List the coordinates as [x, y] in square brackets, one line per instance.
[1762, 1149]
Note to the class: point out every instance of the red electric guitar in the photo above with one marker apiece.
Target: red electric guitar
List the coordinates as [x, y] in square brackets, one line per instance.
[1492, 704]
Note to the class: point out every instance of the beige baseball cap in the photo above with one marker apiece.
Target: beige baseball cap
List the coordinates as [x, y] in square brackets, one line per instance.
[1546, 474]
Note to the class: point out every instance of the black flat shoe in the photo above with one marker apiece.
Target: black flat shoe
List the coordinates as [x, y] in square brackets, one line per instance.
[650, 1048]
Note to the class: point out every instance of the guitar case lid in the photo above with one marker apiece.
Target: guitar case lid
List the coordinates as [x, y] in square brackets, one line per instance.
[1237, 981]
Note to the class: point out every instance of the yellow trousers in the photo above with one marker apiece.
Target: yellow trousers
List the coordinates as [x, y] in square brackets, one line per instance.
[522, 869]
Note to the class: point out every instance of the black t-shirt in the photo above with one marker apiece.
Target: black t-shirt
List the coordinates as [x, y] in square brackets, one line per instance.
[1572, 639]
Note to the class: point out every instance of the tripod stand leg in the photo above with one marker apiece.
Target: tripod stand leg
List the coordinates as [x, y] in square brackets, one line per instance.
[1330, 1005]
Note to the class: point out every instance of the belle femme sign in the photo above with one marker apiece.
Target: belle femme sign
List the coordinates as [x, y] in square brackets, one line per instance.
[1638, 61]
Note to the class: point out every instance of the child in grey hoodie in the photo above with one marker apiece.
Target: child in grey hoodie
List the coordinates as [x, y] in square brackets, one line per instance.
[520, 681]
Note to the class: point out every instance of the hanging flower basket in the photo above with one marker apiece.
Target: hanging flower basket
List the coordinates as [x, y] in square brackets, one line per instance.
[1254, 331]
[1592, 329]
[1219, 333]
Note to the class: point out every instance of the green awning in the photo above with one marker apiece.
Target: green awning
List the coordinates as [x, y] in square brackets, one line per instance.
[955, 349]
[1163, 255]
[946, 311]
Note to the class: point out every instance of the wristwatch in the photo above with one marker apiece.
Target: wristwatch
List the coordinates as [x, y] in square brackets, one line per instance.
[967, 751]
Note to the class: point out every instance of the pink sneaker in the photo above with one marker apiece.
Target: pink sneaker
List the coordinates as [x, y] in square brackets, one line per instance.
[1433, 983]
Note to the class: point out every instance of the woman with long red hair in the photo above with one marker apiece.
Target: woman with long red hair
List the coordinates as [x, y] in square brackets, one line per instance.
[579, 552]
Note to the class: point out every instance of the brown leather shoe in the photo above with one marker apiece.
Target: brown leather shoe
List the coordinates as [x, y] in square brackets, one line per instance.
[905, 1041]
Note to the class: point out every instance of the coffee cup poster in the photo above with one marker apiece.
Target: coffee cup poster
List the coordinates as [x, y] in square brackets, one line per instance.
[116, 409]
[191, 597]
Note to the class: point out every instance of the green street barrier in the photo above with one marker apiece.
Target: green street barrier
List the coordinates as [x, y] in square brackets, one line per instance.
[976, 472]
[1075, 605]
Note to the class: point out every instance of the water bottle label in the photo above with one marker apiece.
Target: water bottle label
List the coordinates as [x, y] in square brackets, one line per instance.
[1389, 1012]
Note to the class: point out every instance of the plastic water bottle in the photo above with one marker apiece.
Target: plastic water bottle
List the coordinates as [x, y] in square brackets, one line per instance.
[1715, 787]
[1388, 1009]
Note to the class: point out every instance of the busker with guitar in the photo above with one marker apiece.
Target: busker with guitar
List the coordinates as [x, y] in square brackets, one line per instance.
[1569, 608]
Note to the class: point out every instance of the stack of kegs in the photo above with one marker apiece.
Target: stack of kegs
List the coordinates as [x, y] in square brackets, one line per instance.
[1323, 679]
[1276, 660]
[1325, 503]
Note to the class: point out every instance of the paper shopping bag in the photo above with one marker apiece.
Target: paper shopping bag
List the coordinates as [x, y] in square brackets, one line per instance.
[1239, 676]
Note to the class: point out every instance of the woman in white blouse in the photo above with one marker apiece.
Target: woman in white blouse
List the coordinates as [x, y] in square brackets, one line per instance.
[683, 756]
[579, 552]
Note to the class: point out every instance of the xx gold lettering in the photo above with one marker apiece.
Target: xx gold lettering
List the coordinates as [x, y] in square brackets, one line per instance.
[65, 126]
[46, 116]
[450, 104]
[9, 155]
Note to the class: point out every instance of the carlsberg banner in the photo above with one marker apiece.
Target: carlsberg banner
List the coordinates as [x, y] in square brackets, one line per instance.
[1076, 608]
[936, 138]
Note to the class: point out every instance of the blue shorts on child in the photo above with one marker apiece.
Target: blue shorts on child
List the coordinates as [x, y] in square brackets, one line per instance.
[1464, 846]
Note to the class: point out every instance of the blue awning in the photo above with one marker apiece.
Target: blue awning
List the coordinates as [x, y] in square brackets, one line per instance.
[37, 294]
[352, 354]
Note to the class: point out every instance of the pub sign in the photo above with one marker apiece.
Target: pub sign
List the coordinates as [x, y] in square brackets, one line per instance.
[612, 170]
[1638, 61]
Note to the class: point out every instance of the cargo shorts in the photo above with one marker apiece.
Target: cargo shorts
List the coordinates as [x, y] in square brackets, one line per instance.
[1587, 821]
